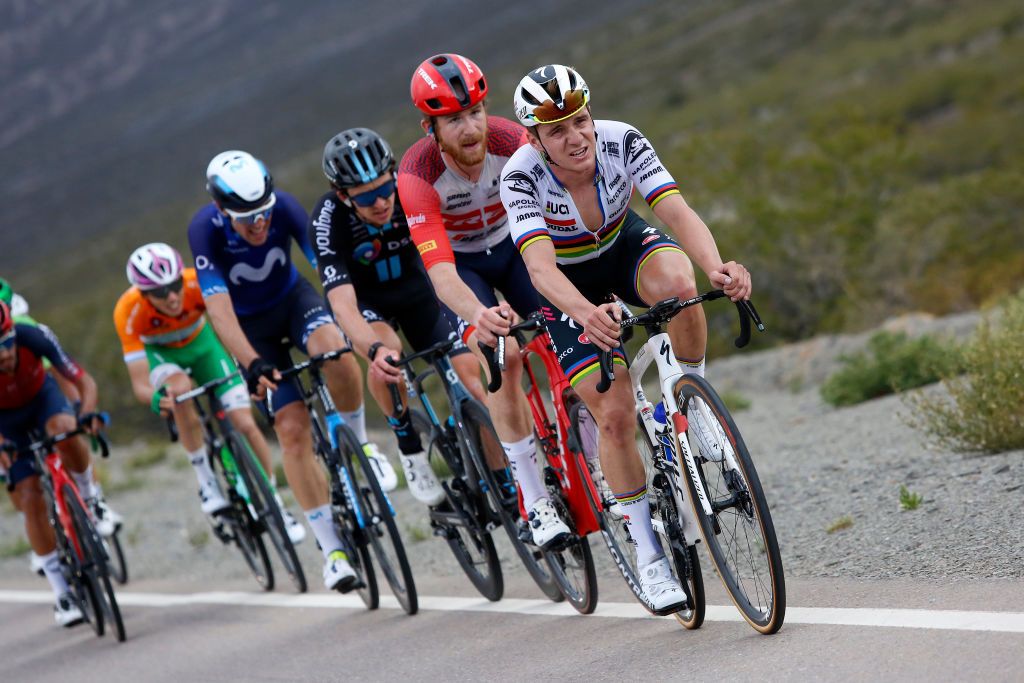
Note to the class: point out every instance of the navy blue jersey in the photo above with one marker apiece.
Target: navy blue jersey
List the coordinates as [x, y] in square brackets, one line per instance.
[34, 344]
[257, 278]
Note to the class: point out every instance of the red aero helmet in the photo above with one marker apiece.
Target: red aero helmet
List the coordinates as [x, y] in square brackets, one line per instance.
[447, 84]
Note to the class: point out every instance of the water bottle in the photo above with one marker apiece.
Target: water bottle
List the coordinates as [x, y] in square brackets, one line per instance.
[661, 420]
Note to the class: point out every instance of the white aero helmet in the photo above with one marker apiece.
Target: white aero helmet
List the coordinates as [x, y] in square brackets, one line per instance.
[154, 265]
[239, 182]
[550, 94]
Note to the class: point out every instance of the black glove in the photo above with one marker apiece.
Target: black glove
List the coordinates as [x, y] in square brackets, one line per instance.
[258, 368]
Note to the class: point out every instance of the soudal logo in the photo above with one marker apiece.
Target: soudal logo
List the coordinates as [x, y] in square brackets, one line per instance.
[557, 209]
[426, 77]
[584, 339]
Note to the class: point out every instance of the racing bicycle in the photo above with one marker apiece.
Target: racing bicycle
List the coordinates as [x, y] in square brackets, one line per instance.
[363, 514]
[697, 455]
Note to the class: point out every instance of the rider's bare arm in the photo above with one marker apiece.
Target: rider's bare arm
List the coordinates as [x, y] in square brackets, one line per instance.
[346, 312]
[138, 372]
[225, 323]
[698, 242]
[556, 287]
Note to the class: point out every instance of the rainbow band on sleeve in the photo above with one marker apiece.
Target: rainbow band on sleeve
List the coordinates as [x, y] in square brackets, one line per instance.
[528, 238]
[660, 192]
[577, 371]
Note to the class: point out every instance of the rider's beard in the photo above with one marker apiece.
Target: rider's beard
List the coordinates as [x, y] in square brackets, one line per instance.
[461, 156]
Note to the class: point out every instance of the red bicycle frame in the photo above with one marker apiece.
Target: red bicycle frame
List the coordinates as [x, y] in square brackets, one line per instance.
[568, 465]
[58, 478]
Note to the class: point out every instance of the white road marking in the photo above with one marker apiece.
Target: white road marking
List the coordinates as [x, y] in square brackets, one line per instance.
[1004, 622]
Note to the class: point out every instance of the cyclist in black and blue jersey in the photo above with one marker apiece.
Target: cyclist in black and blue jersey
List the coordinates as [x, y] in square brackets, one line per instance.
[374, 279]
[260, 308]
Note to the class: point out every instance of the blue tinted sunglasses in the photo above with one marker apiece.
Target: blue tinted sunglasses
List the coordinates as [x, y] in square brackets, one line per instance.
[370, 197]
[7, 341]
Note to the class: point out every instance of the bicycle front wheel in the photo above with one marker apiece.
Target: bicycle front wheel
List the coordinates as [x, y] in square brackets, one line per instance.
[242, 518]
[482, 441]
[265, 509]
[739, 534]
[380, 527]
[83, 579]
[94, 564]
[115, 553]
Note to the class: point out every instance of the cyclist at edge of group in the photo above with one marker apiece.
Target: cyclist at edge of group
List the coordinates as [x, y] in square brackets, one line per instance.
[31, 403]
[567, 194]
[260, 308]
[448, 183]
[167, 344]
[375, 282]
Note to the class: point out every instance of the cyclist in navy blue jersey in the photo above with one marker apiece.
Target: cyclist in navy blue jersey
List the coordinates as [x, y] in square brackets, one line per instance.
[260, 308]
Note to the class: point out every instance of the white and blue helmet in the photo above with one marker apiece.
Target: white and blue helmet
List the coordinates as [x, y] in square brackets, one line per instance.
[239, 182]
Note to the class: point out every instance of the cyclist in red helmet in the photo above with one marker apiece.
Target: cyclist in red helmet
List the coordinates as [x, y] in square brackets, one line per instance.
[448, 183]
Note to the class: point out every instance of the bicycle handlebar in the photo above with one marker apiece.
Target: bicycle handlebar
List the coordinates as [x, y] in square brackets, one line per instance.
[663, 311]
[49, 442]
[314, 362]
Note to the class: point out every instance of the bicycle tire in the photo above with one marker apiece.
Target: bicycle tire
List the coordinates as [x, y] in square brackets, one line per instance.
[115, 553]
[684, 558]
[572, 566]
[741, 536]
[479, 437]
[95, 565]
[244, 529]
[381, 529]
[472, 546]
[84, 587]
[361, 561]
[267, 511]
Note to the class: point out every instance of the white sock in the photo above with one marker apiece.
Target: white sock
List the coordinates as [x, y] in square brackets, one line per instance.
[692, 367]
[83, 480]
[51, 567]
[356, 421]
[636, 512]
[201, 466]
[322, 524]
[522, 457]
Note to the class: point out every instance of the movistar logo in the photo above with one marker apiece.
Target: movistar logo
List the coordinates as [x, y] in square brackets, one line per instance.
[244, 271]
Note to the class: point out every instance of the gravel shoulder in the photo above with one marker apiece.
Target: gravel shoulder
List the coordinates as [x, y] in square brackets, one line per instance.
[818, 464]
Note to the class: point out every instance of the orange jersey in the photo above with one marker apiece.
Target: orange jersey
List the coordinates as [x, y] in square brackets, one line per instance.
[138, 322]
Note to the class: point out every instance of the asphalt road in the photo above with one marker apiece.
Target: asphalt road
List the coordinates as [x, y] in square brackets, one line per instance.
[834, 631]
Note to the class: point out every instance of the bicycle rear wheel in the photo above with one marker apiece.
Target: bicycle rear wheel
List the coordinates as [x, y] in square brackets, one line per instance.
[82, 577]
[380, 527]
[480, 440]
[572, 566]
[468, 539]
[115, 553]
[346, 525]
[94, 563]
[739, 534]
[245, 527]
[265, 508]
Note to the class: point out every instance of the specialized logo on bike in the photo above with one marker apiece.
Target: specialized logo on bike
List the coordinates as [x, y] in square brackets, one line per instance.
[244, 271]
[366, 252]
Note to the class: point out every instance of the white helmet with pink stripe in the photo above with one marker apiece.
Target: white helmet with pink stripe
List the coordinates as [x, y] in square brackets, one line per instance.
[154, 265]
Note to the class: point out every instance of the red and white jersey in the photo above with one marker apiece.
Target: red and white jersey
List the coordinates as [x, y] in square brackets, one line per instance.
[446, 212]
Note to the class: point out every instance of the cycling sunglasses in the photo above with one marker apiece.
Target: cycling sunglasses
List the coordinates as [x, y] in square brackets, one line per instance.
[7, 341]
[254, 216]
[370, 197]
[165, 291]
[549, 112]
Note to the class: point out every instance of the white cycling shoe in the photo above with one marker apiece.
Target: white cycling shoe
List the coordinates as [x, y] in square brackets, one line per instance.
[663, 592]
[66, 612]
[423, 483]
[386, 475]
[545, 525]
[338, 573]
[211, 499]
[107, 521]
[296, 532]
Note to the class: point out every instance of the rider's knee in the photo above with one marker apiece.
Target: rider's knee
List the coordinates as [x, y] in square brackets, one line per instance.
[179, 383]
[679, 281]
[617, 420]
[30, 495]
[291, 424]
[61, 422]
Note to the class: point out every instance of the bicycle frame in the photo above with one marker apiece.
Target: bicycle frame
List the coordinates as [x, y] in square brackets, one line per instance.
[555, 439]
